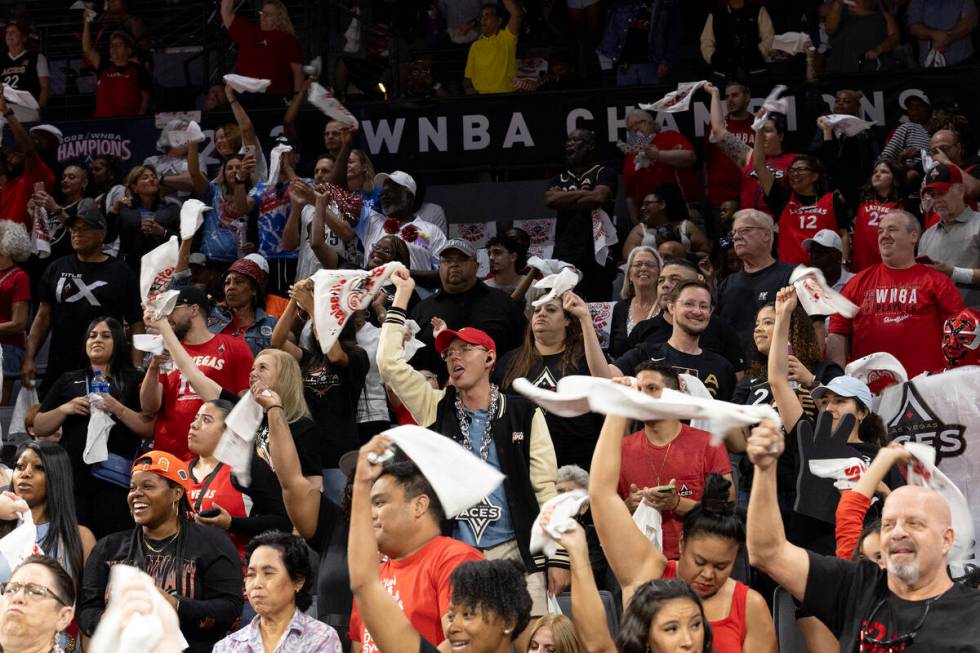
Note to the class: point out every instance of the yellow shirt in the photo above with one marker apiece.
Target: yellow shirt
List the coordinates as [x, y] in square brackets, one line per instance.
[492, 62]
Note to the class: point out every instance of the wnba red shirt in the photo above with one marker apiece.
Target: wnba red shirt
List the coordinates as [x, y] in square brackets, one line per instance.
[217, 489]
[864, 245]
[751, 193]
[801, 217]
[687, 459]
[266, 54]
[640, 183]
[900, 312]
[224, 359]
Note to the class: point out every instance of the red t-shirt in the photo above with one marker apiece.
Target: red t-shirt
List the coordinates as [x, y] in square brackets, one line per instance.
[640, 183]
[217, 488]
[752, 196]
[225, 360]
[15, 286]
[900, 312]
[724, 176]
[687, 459]
[800, 221]
[120, 89]
[420, 584]
[16, 192]
[864, 244]
[266, 55]
[728, 634]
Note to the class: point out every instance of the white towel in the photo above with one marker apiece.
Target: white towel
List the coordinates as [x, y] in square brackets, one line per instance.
[244, 84]
[925, 473]
[237, 442]
[458, 477]
[562, 508]
[275, 160]
[314, 68]
[558, 285]
[20, 98]
[603, 235]
[163, 304]
[791, 42]
[878, 371]
[650, 522]
[847, 125]
[20, 543]
[337, 294]
[331, 106]
[193, 133]
[97, 436]
[151, 344]
[548, 266]
[675, 101]
[846, 472]
[191, 217]
[157, 269]
[772, 104]
[816, 296]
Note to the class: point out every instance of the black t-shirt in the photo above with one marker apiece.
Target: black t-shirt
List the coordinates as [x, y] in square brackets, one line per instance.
[125, 387]
[741, 295]
[78, 293]
[21, 72]
[306, 436]
[716, 373]
[844, 594]
[574, 437]
[719, 337]
[331, 393]
[334, 597]
[573, 229]
[128, 225]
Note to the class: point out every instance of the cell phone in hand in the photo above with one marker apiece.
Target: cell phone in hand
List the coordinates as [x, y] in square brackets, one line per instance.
[249, 150]
[38, 186]
[664, 489]
[214, 512]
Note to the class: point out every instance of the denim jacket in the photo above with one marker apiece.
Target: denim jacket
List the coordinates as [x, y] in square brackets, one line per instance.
[258, 336]
[665, 30]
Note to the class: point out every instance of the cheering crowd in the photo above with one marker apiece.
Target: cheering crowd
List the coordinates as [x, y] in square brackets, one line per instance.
[218, 357]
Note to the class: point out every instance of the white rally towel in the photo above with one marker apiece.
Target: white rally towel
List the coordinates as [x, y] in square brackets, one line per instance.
[163, 304]
[157, 269]
[676, 101]
[20, 98]
[96, 449]
[816, 296]
[459, 478]
[772, 104]
[143, 633]
[151, 344]
[549, 266]
[26, 397]
[191, 217]
[244, 84]
[846, 472]
[650, 522]
[193, 133]
[337, 294]
[603, 235]
[236, 443]
[562, 510]
[847, 125]
[314, 68]
[41, 236]
[275, 161]
[20, 543]
[322, 99]
[556, 284]
[925, 473]
[878, 371]
[791, 42]
[693, 386]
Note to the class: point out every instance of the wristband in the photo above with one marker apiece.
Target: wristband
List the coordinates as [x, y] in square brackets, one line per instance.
[279, 406]
[676, 504]
[962, 276]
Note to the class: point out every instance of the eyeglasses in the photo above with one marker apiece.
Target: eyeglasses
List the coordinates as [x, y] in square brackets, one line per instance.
[32, 591]
[886, 644]
[690, 304]
[462, 350]
[649, 265]
[743, 232]
[799, 170]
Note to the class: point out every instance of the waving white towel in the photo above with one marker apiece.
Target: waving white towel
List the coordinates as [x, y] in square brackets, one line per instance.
[337, 294]
[925, 473]
[847, 125]
[791, 42]
[772, 104]
[244, 84]
[331, 106]
[676, 101]
[191, 217]
[816, 296]
[557, 285]
[236, 443]
[562, 510]
[21, 98]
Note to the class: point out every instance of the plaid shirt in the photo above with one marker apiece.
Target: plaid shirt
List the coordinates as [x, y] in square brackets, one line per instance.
[304, 635]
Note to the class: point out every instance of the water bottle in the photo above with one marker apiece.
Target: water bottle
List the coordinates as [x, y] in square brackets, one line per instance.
[99, 384]
[241, 236]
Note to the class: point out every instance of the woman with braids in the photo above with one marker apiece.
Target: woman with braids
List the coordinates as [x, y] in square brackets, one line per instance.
[489, 605]
[560, 340]
[712, 535]
[195, 567]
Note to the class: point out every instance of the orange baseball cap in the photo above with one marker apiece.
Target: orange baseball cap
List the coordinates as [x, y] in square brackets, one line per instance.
[166, 465]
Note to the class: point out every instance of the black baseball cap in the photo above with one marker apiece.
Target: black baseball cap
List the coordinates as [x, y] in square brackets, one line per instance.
[89, 213]
[192, 295]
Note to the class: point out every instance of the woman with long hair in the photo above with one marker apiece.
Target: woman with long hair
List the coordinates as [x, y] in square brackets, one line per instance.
[883, 193]
[360, 177]
[639, 297]
[713, 533]
[143, 219]
[99, 488]
[38, 604]
[560, 341]
[196, 567]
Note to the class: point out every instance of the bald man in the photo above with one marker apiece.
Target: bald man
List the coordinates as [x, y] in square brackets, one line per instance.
[910, 606]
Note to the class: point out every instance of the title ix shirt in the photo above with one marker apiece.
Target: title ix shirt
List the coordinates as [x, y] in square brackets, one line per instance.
[224, 359]
[900, 312]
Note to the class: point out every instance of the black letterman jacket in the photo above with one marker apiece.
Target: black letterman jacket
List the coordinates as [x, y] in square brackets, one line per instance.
[520, 434]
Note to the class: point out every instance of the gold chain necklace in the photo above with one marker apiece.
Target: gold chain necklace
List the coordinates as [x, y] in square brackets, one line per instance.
[663, 463]
[163, 546]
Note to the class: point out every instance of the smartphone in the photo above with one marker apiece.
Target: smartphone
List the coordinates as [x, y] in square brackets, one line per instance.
[924, 259]
[664, 488]
[214, 512]
[38, 186]
[249, 150]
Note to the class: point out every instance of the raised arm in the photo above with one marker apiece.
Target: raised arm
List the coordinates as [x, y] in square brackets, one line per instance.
[787, 403]
[326, 255]
[388, 625]
[90, 54]
[766, 178]
[289, 119]
[516, 16]
[598, 365]
[207, 388]
[769, 550]
[633, 558]
[284, 326]
[854, 503]
[22, 139]
[199, 183]
[241, 117]
[227, 13]
[587, 611]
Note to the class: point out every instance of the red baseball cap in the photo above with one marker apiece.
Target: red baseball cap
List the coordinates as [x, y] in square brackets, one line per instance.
[466, 334]
[166, 465]
[941, 177]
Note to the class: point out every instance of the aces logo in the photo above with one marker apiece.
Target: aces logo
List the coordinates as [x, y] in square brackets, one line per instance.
[917, 422]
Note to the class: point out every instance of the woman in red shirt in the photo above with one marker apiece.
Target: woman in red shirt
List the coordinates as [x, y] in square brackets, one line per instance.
[881, 195]
[269, 49]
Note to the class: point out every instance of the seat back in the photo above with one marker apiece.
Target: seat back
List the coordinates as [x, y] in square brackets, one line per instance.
[784, 617]
[608, 604]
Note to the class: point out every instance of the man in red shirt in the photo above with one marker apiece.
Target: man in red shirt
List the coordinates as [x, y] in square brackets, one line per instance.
[267, 50]
[225, 359]
[902, 304]
[667, 462]
[24, 169]
[723, 176]
[668, 158]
